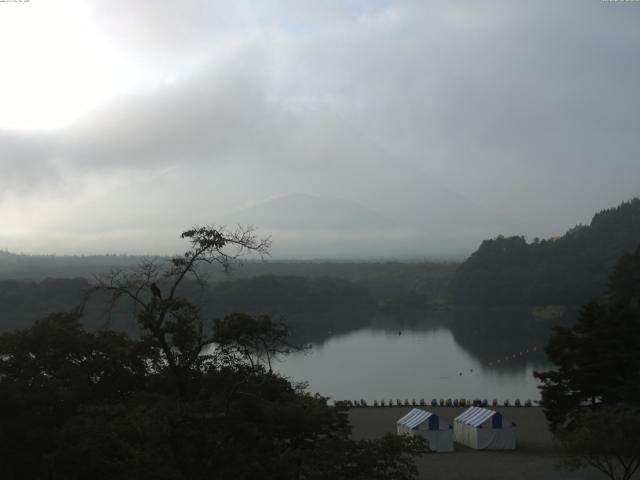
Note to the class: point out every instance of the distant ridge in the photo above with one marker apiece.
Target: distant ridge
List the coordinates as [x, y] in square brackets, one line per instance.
[301, 211]
[569, 270]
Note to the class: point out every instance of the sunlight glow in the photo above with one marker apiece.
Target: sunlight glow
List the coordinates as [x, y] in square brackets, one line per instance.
[54, 66]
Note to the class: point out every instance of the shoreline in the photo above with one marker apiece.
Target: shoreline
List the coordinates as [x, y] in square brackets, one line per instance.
[535, 457]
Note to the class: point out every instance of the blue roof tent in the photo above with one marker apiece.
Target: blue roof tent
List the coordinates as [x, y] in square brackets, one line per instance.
[476, 416]
[417, 417]
[428, 425]
[481, 428]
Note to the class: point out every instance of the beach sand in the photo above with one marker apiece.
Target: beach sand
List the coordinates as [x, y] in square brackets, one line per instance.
[535, 458]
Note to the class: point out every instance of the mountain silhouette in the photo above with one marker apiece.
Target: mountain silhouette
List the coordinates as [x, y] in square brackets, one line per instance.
[301, 211]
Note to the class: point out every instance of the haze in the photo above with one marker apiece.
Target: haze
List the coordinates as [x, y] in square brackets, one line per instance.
[357, 129]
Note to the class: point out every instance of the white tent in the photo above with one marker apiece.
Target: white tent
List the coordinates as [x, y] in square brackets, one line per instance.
[427, 425]
[484, 429]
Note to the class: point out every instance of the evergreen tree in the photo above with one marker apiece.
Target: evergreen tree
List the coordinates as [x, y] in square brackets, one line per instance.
[567, 270]
[598, 359]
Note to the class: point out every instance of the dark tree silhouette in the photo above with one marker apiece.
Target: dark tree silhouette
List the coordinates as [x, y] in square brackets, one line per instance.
[189, 399]
[607, 439]
[173, 323]
[566, 270]
[598, 359]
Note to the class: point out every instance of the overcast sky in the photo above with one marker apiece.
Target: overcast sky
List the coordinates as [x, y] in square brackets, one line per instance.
[123, 122]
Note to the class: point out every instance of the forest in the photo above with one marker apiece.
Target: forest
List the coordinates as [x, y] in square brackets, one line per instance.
[319, 297]
[314, 297]
[189, 398]
[145, 384]
[568, 270]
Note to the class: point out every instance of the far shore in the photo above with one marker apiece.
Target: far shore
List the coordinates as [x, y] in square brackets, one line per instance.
[535, 458]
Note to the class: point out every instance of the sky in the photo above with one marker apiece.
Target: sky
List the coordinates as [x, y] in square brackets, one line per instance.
[124, 122]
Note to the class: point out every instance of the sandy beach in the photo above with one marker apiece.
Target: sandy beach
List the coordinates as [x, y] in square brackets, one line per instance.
[535, 458]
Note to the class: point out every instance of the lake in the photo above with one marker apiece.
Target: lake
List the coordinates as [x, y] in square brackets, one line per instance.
[437, 362]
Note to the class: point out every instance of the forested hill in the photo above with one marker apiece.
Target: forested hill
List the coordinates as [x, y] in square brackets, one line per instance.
[568, 270]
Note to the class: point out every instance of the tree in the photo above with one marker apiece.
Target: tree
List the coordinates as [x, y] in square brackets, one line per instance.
[170, 321]
[583, 367]
[188, 399]
[569, 270]
[607, 439]
[598, 360]
[48, 373]
[390, 457]
[252, 338]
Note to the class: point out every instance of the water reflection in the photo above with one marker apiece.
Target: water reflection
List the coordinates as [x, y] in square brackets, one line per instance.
[502, 339]
[463, 353]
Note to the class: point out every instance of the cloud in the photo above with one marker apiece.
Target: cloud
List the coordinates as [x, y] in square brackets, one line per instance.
[25, 162]
[529, 111]
[190, 122]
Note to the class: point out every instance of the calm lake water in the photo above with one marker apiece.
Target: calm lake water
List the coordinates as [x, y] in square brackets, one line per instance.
[389, 364]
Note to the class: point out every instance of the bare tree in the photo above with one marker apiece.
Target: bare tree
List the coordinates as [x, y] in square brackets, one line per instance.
[253, 340]
[153, 288]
